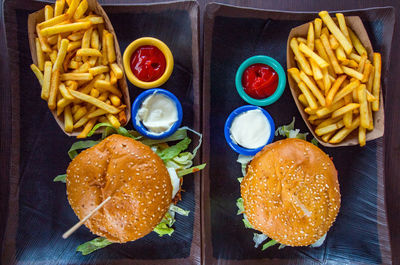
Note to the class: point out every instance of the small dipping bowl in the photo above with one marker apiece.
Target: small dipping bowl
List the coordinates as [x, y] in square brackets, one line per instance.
[169, 60]
[138, 124]
[262, 59]
[237, 148]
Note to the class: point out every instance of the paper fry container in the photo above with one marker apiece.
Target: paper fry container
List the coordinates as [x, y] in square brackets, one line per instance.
[38, 16]
[355, 23]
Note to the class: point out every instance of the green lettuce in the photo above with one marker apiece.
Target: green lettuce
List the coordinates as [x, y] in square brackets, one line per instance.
[60, 178]
[184, 172]
[289, 131]
[165, 226]
[73, 151]
[269, 244]
[246, 222]
[93, 245]
[173, 151]
[239, 204]
[178, 210]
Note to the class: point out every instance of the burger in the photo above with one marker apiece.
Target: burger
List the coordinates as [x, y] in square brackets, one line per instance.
[290, 194]
[143, 191]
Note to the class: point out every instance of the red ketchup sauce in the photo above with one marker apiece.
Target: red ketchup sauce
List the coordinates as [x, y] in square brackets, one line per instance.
[259, 81]
[148, 63]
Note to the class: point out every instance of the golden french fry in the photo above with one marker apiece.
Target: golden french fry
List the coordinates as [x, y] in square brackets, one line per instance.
[346, 90]
[73, 5]
[38, 73]
[303, 100]
[331, 55]
[51, 22]
[95, 20]
[61, 55]
[355, 57]
[362, 136]
[335, 87]
[94, 93]
[362, 62]
[357, 43]
[82, 7]
[340, 54]
[92, 61]
[294, 73]
[80, 112]
[88, 128]
[86, 89]
[353, 73]
[113, 120]
[325, 31]
[317, 73]
[329, 128]
[362, 97]
[46, 80]
[326, 80]
[324, 111]
[317, 27]
[113, 79]
[122, 117]
[43, 42]
[333, 42]
[314, 89]
[65, 28]
[96, 113]
[76, 36]
[110, 48]
[340, 135]
[104, 85]
[348, 116]
[301, 40]
[94, 40]
[64, 92]
[377, 80]
[117, 70]
[52, 39]
[75, 108]
[309, 96]
[116, 101]
[39, 54]
[77, 76]
[321, 85]
[98, 70]
[88, 52]
[327, 122]
[310, 111]
[343, 110]
[94, 101]
[327, 136]
[310, 36]
[350, 63]
[68, 122]
[59, 7]
[71, 84]
[48, 12]
[342, 25]
[73, 45]
[83, 68]
[53, 56]
[341, 38]
[370, 97]
[104, 48]
[308, 52]
[54, 84]
[73, 65]
[305, 66]
[321, 52]
[367, 72]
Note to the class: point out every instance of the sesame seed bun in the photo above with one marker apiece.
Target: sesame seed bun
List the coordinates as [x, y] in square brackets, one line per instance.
[291, 192]
[133, 175]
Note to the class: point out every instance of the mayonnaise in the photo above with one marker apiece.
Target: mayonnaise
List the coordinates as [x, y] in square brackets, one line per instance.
[157, 113]
[250, 129]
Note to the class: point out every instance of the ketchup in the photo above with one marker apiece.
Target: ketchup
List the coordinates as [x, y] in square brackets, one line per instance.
[259, 81]
[148, 63]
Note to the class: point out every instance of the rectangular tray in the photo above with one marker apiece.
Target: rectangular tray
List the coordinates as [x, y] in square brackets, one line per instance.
[360, 234]
[38, 210]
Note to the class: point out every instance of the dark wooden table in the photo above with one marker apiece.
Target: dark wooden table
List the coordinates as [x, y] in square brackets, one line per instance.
[392, 111]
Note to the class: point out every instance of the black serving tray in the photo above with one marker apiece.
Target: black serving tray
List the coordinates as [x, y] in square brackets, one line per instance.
[360, 234]
[37, 211]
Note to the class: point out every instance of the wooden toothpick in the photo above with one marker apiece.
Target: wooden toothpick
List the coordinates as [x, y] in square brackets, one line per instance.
[81, 222]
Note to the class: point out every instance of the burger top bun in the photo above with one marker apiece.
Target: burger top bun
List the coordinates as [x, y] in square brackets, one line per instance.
[291, 192]
[135, 178]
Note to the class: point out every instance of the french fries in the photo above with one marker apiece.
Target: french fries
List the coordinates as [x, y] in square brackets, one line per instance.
[340, 87]
[77, 67]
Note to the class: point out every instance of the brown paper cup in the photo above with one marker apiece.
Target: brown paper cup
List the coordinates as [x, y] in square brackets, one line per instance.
[94, 6]
[355, 23]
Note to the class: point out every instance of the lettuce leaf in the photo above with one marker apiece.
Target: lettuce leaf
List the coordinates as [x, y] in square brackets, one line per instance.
[244, 161]
[269, 244]
[60, 178]
[93, 245]
[239, 204]
[184, 172]
[121, 130]
[73, 151]
[246, 222]
[174, 150]
[176, 136]
[178, 210]
[240, 180]
[314, 141]
[289, 131]
[258, 239]
[165, 226]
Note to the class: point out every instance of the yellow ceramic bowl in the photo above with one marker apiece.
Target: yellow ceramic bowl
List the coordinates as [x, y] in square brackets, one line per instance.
[168, 59]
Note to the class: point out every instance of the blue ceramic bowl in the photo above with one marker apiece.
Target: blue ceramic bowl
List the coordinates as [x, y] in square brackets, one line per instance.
[263, 60]
[228, 124]
[141, 128]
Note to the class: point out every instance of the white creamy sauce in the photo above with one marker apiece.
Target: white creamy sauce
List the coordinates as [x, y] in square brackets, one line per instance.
[157, 113]
[250, 129]
[175, 181]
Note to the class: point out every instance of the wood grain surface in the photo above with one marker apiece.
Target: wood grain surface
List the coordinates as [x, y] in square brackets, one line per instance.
[392, 111]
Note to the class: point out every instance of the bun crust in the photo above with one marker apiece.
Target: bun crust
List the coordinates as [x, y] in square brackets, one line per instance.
[133, 175]
[291, 192]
